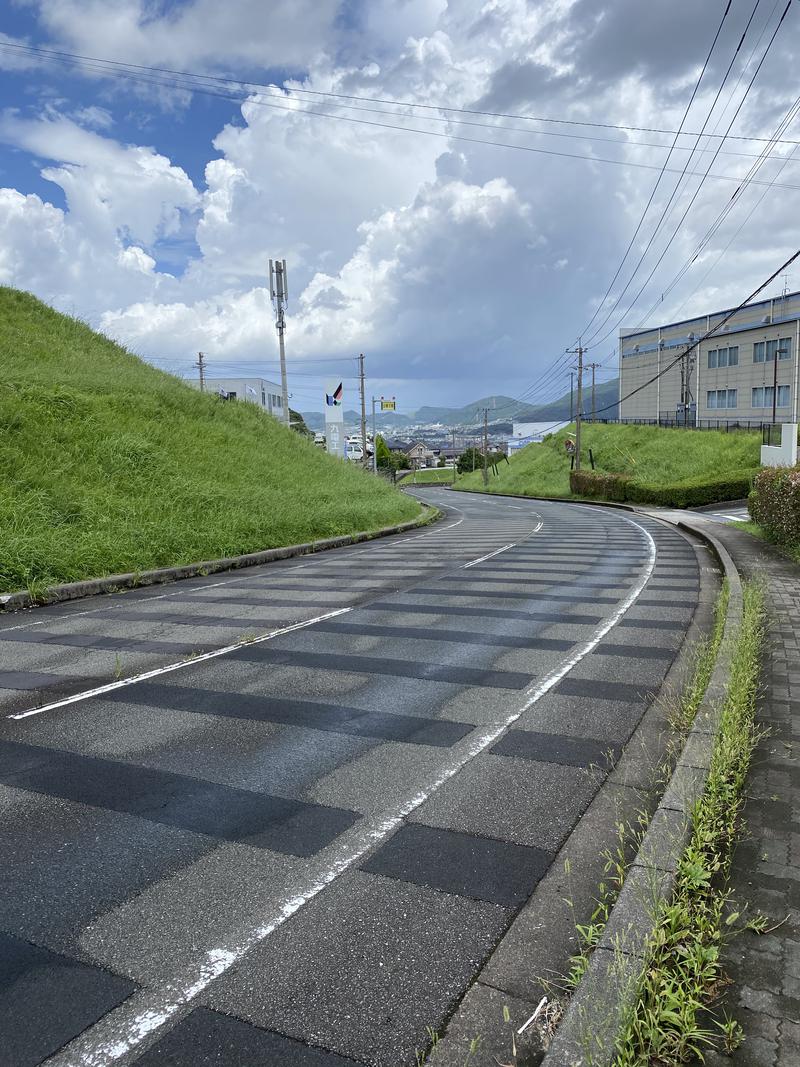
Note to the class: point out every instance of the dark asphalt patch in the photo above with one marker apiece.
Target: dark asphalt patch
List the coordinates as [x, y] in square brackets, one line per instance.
[200, 807]
[634, 651]
[558, 748]
[573, 598]
[428, 672]
[31, 679]
[46, 999]
[600, 690]
[653, 624]
[210, 1039]
[459, 637]
[478, 867]
[332, 718]
[399, 608]
[109, 644]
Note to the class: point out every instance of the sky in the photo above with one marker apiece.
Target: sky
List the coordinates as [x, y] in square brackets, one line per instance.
[149, 204]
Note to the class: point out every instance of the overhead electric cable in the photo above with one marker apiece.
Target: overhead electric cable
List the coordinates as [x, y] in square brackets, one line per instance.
[726, 318]
[43, 53]
[678, 185]
[696, 193]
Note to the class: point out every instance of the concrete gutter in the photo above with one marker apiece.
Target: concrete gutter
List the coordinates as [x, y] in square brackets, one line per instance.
[113, 583]
[599, 1010]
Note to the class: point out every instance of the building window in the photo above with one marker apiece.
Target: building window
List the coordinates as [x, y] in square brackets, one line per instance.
[723, 357]
[762, 396]
[263, 398]
[764, 351]
[721, 398]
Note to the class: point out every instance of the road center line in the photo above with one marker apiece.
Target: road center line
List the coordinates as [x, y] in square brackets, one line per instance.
[139, 1018]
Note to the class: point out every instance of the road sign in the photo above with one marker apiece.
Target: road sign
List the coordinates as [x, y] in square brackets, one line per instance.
[569, 444]
[335, 440]
[388, 405]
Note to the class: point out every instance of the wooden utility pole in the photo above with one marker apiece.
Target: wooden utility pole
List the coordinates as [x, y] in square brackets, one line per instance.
[202, 368]
[579, 353]
[571, 395]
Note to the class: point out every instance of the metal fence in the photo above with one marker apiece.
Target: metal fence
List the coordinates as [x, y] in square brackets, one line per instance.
[668, 422]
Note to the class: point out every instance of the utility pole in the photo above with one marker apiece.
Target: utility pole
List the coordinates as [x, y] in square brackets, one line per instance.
[594, 367]
[485, 446]
[579, 353]
[778, 353]
[363, 408]
[202, 368]
[374, 441]
[279, 294]
[571, 395]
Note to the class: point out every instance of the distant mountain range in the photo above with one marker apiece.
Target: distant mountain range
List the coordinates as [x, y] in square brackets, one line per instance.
[501, 409]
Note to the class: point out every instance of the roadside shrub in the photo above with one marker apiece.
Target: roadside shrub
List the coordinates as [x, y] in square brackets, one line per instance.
[599, 485]
[775, 503]
[691, 493]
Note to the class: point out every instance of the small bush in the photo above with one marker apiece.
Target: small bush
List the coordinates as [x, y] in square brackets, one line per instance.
[775, 503]
[692, 493]
[599, 485]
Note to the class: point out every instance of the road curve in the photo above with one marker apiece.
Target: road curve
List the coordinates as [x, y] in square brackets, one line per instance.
[283, 817]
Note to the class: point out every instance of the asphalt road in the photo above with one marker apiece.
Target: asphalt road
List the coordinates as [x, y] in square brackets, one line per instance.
[299, 846]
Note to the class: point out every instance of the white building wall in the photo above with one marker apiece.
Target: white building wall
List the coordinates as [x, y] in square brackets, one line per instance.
[255, 390]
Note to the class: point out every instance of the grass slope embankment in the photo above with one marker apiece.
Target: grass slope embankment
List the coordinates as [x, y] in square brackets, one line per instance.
[647, 455]
[109, 465]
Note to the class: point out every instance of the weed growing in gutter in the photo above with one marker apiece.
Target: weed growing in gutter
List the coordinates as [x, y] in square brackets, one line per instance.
[683, 971]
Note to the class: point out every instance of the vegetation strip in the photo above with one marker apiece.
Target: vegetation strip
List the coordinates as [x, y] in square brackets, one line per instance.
[683, 969]
[597, 1018]
[115, 582]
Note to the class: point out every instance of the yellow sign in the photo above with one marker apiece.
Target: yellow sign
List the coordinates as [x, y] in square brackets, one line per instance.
[388, 405]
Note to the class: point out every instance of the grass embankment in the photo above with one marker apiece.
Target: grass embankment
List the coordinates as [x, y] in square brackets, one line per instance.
[109, 465]
[683, 971]
[648, 455]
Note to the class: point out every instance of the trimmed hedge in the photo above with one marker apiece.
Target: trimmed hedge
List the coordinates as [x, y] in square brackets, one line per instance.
[775, 503]
[693, 493]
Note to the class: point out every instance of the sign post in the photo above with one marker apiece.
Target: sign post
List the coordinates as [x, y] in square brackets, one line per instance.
[335, 441]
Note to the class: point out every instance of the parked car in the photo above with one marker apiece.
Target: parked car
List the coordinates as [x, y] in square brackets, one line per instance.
[319, 439]
[355, 452]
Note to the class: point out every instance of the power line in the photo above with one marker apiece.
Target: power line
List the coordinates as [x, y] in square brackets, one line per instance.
[666, 210]
[41, 52]
[663, 169]
[435, 133]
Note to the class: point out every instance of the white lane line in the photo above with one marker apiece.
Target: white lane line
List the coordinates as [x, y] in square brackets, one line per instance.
[489, 555]
[142, 1015]
[158, 671]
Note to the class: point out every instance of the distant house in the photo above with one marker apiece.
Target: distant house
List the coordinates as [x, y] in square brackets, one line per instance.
[417, 453]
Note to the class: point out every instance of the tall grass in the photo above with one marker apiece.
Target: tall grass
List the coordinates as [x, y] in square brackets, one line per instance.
[109, 465]
[649, 454]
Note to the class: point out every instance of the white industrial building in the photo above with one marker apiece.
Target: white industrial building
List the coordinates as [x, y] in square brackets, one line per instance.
[256, 390]
[735, 375]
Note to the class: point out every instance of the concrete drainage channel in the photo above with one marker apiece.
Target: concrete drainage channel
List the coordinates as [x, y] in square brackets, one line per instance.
[114, 583]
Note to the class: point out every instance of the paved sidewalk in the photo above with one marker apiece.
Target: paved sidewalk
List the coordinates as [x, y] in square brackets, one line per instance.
[765, 969]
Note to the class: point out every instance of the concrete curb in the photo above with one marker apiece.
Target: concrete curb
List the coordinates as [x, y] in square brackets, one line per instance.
[599, 1009]
[113, 583]
[545, 499]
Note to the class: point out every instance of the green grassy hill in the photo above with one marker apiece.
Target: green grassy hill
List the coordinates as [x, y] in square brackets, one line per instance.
[109, 465]
[649, 455]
